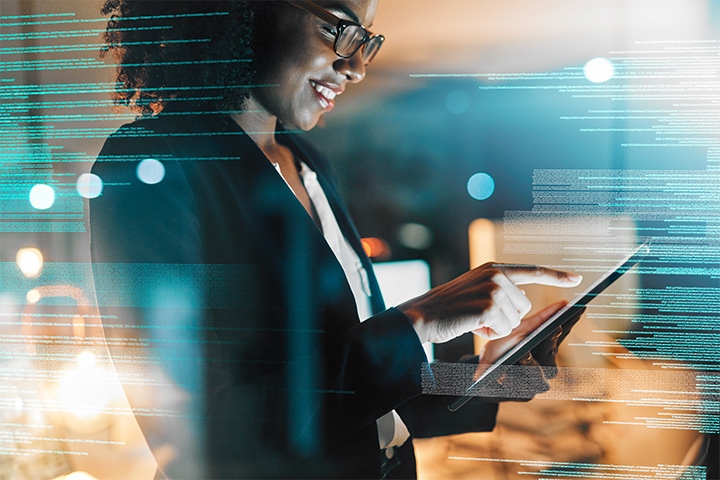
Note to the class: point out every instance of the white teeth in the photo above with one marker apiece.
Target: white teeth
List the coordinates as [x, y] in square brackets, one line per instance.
[324, 91]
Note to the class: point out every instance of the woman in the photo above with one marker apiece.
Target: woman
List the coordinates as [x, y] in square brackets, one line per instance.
[231, 277]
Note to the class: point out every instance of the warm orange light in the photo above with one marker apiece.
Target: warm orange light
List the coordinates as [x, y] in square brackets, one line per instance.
[376, 248]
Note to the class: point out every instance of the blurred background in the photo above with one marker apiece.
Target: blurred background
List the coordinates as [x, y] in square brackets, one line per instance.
[468, 107]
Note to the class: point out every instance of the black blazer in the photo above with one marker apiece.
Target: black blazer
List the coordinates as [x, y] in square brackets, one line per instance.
[231, 320]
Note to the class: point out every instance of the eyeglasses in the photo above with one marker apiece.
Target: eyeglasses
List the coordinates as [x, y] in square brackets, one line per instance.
[349, 36]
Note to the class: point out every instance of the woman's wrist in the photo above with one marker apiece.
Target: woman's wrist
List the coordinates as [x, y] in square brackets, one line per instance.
[414, 315]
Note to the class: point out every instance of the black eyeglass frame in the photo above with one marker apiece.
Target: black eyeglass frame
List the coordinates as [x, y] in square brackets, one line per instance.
[340, 25]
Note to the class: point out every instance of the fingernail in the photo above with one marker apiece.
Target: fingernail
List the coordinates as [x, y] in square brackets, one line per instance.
[574, 277]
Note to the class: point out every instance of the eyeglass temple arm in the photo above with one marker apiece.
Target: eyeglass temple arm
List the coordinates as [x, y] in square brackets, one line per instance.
[316, 10]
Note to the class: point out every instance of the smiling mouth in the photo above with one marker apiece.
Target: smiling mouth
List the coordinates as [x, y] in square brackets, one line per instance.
[325, 95]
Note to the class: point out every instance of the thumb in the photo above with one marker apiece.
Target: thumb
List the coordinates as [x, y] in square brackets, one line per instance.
[531, 323]
[497, 348]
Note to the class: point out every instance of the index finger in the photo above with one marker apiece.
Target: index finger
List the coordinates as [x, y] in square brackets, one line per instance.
[526, 274]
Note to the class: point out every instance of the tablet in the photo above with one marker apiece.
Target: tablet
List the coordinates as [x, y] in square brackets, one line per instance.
[545, 330]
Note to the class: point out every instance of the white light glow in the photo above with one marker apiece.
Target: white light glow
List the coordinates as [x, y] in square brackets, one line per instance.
[30, 261]
[83, 390]
[42, 196]
[78, 475]
[599, 70]
[89, 185]
[86, 360]
[150, 171]
[33, 296]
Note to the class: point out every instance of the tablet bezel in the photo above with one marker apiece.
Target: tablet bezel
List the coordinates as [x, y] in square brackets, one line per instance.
[562, 316]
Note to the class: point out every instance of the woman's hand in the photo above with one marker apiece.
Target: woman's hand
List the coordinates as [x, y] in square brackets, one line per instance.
[485, 301]
[531, 374]
[545, 351]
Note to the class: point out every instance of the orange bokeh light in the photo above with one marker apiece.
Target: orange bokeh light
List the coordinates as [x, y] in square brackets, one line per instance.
[376, 248]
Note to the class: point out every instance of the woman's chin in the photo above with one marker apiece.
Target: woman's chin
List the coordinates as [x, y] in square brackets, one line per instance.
[303, 126]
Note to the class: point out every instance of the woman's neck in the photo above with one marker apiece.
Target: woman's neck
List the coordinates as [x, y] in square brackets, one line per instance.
[260, 126]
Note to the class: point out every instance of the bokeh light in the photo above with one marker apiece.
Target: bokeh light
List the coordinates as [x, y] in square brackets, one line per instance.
[599, 70]
[150, 171]
[89, 185]
[415, 236]
[33, 296]
[83, 390]
[42, 196]
[375, 248]
[481, 186]
[30, 261]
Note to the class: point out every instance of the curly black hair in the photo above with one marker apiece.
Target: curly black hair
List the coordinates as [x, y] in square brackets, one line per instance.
[200, 51]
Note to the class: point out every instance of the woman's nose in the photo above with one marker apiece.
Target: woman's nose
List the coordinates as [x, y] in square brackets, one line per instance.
[353, 68]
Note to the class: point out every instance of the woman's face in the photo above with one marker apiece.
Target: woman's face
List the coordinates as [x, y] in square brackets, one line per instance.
[301, 65]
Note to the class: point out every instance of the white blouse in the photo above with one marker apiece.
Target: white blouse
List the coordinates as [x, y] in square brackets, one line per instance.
[391, 429]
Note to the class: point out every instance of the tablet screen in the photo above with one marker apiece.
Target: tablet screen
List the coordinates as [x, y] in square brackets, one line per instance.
[543, 331]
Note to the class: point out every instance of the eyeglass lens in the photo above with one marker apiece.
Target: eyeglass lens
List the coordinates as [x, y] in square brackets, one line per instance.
[371, 49]
[351, 38]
